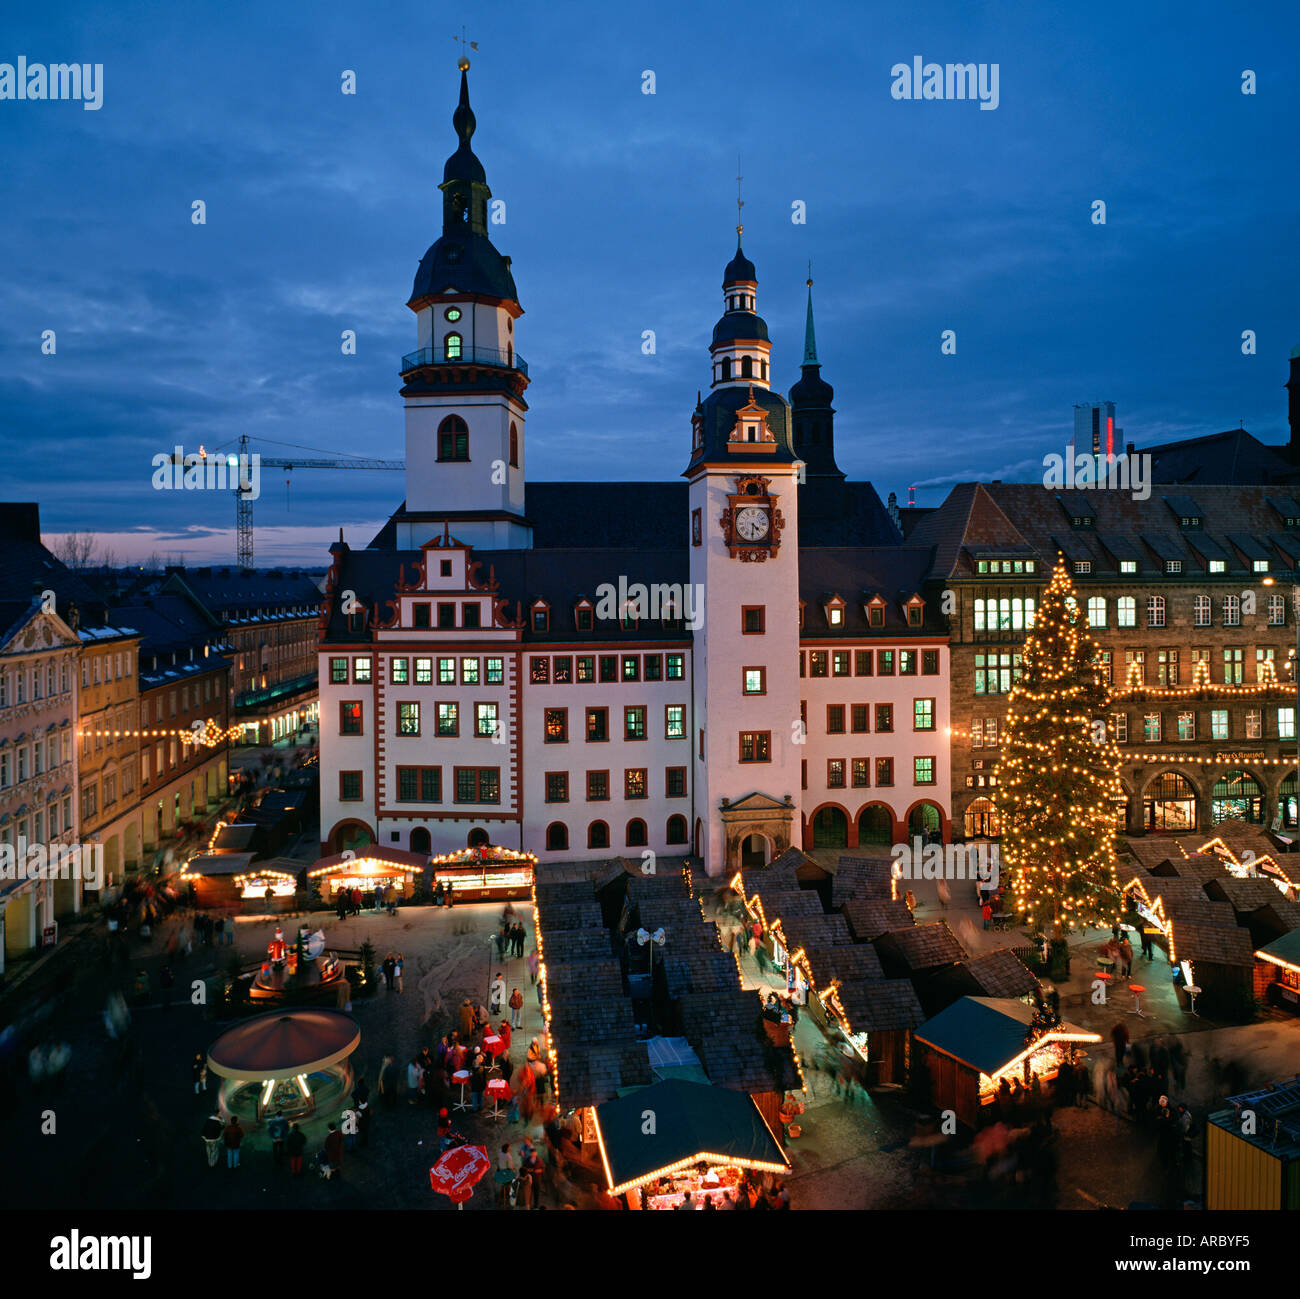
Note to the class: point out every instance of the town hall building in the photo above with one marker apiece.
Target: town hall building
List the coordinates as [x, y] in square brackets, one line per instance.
[720, 667]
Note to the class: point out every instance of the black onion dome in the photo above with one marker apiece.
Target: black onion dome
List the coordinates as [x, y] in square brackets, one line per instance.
[740, 270]
[468, 263]
[811, 391]
[744, 325]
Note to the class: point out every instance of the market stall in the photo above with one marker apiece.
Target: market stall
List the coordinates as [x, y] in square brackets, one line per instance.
[705, 1141]
[486, 873]
[970, 1048]
[367, 869]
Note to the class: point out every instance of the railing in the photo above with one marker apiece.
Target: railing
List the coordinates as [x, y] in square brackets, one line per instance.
[466, 356]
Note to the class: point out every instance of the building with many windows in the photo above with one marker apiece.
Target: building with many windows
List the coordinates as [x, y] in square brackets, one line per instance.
[1188, 594]
[722, 666]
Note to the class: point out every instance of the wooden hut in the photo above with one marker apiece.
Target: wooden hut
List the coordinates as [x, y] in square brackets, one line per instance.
[964, 1051]
[1257, 1165]
[1277, 971]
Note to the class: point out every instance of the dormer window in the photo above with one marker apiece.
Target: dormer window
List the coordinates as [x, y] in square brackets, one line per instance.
[541, 616]
[1128, 566]
[875, 610]
[751, 432]
[915, 612]
[801, 614]
[1218, 566]
[1259, 566]
[834, 612]
[1175, 565]
[630, 619]
[583, 616]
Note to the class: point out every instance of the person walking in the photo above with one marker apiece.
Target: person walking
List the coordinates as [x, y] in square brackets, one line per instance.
[516, 1009]
[478, 1081]
[388, 1081]
[212, 1133]
[1119, 1036]
[505, 1175]
[1126, 956]
[390, 968]
[534, 963]
[295, 1143]
[414, 1080]
[1147, 950]
[278, 1131]
[199, 1072]
[397, 971]
[390, 899]
[219, 928]
[986, 914]
[521, 937]
[449, 900]
[232, 1136]
[466, 1020]
[497, 996]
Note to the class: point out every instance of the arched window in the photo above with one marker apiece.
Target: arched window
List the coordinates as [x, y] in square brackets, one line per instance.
[598, 835]
[676, 829]
[477, 838]
[763, 367]
[726, 367]
[451, 345]
[557, 836]
[510, 355]
[453, 439]
[420, 839]
[747, 367]
[636, 835]
[514, 445]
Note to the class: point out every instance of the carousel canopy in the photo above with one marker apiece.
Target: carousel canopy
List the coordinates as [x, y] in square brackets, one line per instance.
[694, 1123]
[284, 1044]
[988, 1032]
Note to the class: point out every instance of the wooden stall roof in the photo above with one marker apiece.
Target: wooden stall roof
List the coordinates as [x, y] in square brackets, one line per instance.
[798, 861]
[589, 944]
[1002, 973]
[785, 906]
[880, 1005]
[1215, 944]
[815, 931]
[597, 1071]
[987, 1033]
[1282, 951]
[1285, 913]
[726, 1031]
[868, 878]
[867, 920]
[855, 961]
[1199, 911]
[923, 947]
[570, 915]
[711, 972]
[212, 864]
[1245, 894]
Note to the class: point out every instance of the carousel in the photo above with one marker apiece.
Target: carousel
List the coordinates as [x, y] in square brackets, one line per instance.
[295, 1062]
[303, 971]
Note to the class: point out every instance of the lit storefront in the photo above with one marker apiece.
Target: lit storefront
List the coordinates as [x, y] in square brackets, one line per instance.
[1238, 797]
[1277, 971]
[1170, 804]
[485, 873]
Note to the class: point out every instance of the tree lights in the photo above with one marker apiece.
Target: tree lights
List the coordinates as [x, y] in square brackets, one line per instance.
[1057, 784]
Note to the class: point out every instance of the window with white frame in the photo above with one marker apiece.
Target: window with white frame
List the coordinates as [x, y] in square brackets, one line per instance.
[1232, 611]
[1201, 611]
[1151, 728]
[1097, 612]
[1126, 611]
[1254, 723]
[1187, 726]
[1218, 723]
[1277, 611]
[1155, 611]
[1286, 723]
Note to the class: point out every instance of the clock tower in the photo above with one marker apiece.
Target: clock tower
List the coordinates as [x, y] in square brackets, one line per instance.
[743, 485]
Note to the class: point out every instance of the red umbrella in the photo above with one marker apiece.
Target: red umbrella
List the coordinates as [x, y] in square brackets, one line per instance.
[457, 1171]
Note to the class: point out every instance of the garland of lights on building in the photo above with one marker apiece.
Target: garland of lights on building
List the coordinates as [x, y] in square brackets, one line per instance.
[1057, 781]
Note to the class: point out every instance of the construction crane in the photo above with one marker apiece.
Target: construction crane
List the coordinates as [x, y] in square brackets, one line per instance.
[244, 502]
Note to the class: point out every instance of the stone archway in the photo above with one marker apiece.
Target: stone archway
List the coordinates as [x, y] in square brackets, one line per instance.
[830, 827]
[478, 838]
[875, 825]
[350, 834]
[755, 850]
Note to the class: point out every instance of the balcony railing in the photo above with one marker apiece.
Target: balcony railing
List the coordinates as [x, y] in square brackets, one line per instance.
[464, 356]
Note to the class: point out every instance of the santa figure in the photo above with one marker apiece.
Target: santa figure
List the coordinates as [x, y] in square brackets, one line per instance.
[276, 948]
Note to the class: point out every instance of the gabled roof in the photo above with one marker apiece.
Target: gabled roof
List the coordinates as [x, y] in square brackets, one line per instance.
[923, 947]
[1215, 944]
[868, 919]
[1001, 973]
[987, 1033]
[865, 878]
[881, 1005]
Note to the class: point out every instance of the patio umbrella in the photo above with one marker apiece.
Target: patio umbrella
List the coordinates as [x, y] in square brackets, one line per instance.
[457, 1172]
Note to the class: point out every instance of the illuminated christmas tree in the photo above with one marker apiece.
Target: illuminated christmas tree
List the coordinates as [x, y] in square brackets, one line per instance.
[1057, 783]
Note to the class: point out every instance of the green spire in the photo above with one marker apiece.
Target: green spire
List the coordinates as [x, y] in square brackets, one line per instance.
[809, 337]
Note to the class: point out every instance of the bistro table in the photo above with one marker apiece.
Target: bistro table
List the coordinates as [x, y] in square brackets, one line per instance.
[1192, 993]
[495, 1046]
[461, 1076]
[1137, 990]
[499, 1090]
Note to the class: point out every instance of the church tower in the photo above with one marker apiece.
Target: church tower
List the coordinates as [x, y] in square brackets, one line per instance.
[464, 384]
[744, 562]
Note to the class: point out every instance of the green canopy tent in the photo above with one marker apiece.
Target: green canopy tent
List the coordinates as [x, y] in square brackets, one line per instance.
[654, 1131]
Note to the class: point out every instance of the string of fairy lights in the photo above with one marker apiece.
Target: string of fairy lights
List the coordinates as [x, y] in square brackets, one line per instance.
[211, 735]
[1057, 786]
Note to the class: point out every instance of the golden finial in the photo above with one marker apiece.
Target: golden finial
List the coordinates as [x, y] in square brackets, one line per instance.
[810, 272]
[463, 62]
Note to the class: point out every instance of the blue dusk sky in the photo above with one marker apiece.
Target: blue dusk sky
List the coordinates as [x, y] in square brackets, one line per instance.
[922, 216]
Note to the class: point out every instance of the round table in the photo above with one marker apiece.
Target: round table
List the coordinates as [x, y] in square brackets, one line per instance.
[461, 1076]
[1192, 993]
[1137, 990]
[499, 1090]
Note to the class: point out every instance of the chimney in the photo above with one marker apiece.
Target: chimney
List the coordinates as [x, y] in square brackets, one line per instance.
[20, 521]
[1293, 406]
[1130, 448]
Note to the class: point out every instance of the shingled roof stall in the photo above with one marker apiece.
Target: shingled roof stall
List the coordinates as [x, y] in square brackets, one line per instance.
[636, 988]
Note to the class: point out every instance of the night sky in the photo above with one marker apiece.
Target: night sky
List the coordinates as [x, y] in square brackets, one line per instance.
[921, 216]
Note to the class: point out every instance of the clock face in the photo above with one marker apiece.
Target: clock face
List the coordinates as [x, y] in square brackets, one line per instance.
[752, 523]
